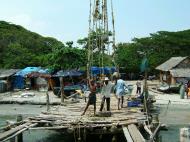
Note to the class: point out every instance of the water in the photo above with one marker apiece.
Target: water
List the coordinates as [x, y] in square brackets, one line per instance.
[176, 117]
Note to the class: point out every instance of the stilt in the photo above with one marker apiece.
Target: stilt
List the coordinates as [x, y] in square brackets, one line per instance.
[184, 135]
[127, 134]
[62, 89]
[47, 101]
[114, 139]
[13, 139]
[20, 136]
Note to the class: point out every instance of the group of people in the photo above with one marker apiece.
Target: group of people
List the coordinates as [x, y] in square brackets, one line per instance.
[116, 86]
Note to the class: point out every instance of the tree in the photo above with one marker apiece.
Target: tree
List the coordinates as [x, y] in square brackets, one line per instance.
[159, 47]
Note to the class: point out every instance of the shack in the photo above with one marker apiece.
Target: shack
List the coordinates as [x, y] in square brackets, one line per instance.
[70, 80]
[6, 79]
[21, 81]
[175, 70]
[41, 79]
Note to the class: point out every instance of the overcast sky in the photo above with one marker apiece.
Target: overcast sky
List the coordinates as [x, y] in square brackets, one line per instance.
[67, 20]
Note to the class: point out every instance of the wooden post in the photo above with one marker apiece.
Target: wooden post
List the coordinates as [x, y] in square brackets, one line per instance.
[127, 134]
[135, 134]
[13, 139]
[62, 89]
[20, 136]
[47, 101]
[184, 135]
[145, 91]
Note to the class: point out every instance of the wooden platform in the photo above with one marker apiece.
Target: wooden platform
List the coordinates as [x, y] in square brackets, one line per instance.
[68, 118]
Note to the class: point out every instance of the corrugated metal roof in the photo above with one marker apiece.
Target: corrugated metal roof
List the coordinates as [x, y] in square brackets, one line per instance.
[171, 63]
[7, 72]
[180, 72]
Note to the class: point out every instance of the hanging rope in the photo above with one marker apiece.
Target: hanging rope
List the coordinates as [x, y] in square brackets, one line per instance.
[113, 45]
[99, 33]
[89, 43]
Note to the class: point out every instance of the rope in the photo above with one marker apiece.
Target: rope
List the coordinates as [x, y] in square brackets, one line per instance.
[113, 26]
[100, 28]
[89, 42]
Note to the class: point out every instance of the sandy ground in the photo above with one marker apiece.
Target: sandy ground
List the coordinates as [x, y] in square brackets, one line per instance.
[40, 97]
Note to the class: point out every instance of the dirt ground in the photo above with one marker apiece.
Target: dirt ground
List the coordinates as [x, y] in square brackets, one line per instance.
[40, 97]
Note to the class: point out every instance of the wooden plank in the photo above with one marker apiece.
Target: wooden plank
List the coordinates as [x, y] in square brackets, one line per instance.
[127, 135]
[19, 132]
[13, 130]
[155, 132]
[135, 134]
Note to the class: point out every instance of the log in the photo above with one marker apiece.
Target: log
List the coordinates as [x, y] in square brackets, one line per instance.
[12, 131]
[127, 134]
[47, 101]
[19, 132]
[20, 136]
[8, 127]
[155, 132]
[184, 135]
[82, 126]
[62, 89]
[135, 134]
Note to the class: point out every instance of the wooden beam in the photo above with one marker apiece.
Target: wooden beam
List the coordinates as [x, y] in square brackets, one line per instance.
[127, 134]
[135, 134]
[19, 132]
[12, 131]
[62, 89]
[155, 132]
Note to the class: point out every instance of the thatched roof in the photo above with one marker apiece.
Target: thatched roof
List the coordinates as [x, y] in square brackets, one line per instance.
[180, 73]
[170, 64]
[7, 72]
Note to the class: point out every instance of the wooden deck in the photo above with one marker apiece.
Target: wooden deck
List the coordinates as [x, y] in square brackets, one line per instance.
[67, 117]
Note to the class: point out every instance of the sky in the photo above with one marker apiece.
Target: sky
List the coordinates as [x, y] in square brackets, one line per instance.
[67, 20]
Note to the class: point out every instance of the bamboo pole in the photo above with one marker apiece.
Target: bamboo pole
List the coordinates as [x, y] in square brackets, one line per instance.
[47, 101]
[20, 136]
[62, 89]
[12, 131]
[19, 132]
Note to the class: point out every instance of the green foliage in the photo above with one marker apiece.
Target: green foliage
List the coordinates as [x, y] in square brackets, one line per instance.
[159, 47]
[67, 58]
[20, 48]
[98, 41]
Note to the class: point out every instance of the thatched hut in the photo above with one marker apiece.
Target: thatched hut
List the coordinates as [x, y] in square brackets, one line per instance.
[175, 70]
[6, 79]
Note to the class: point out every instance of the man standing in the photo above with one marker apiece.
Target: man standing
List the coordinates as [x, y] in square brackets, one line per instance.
[92, 96]
[120, 91]
[106, 93]
[138, 88]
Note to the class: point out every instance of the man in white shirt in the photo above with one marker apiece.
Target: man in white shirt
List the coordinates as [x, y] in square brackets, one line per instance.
[120, 91]
[106, 93]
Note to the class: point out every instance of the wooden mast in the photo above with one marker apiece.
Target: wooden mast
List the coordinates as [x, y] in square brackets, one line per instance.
[99, 33]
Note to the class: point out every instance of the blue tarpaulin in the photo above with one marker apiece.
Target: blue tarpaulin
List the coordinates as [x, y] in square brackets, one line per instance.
[27, 70]
[102, 70]
[19, 81]
[68, 73]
